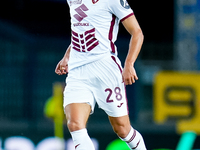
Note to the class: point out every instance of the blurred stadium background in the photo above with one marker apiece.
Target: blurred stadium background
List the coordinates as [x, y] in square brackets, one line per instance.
[34, 35]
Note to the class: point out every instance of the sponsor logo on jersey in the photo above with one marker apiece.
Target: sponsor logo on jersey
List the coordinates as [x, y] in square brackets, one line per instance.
[120, 105]
[80, 24]
[94, 1]
[75, 2]
[80, 12]
[124, 4]
[77, 146]
[80, 15]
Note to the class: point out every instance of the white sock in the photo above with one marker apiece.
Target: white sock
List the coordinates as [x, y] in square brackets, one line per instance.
[82, 140]
[135, 140]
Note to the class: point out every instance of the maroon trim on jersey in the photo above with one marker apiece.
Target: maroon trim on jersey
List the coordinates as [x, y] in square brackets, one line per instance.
[126, 17]
[93, 46]
[84, 42]
[90, 42]
[75, 44]
[77, 49]
[74, 33]
[75, 39]
[89, 31]
[110, 35]
[89, 36]
[113, 57]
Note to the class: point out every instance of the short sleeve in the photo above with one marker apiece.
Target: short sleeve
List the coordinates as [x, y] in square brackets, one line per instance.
[120, 8]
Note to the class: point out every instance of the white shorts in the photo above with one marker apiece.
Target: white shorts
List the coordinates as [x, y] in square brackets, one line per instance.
[98, 82]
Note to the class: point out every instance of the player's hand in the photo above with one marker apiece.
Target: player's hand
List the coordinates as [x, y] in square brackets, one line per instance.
[62, 67]
[129, 75]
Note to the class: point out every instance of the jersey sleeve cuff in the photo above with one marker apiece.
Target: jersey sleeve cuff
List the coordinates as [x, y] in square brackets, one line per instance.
[126, 17]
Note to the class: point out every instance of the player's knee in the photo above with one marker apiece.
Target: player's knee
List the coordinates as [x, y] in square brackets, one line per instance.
[74, 125]
[121, 131]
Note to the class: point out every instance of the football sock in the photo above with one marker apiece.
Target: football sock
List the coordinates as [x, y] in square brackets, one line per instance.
[134, 140]
[82, 140]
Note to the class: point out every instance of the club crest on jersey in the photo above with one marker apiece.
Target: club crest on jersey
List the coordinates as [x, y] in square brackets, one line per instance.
[124, 4]
[75, 2]
[94, 1]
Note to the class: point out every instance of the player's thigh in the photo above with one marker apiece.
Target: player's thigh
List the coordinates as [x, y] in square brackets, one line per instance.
[78, 104]
[77, 115]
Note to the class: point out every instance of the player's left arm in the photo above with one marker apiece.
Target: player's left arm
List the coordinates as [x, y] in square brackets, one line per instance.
[129, 74]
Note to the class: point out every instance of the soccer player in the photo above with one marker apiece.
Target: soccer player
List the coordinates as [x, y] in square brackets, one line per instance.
[94, 71]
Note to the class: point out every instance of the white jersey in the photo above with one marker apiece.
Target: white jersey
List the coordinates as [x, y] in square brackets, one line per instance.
[94, 25]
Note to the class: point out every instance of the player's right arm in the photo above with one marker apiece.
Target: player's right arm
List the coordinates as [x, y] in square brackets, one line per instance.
[62, 66]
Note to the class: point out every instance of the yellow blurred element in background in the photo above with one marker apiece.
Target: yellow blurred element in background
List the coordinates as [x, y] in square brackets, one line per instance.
[54, 109]
[177, 96]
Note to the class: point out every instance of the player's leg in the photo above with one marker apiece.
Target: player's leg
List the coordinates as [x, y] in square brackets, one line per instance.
[123, 128]
[121, 125]
[79, 103]
[77, 115]
[111, 97]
